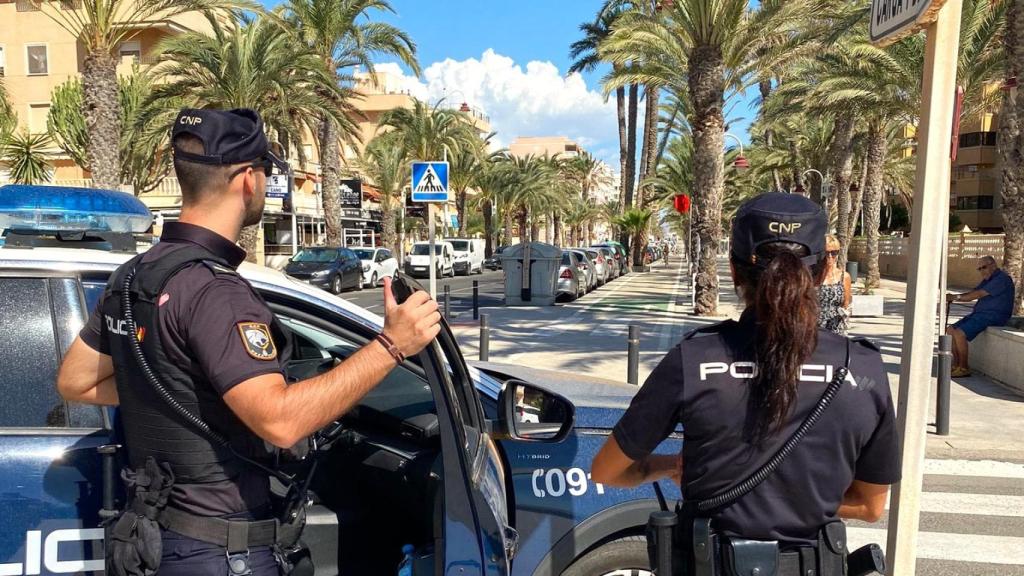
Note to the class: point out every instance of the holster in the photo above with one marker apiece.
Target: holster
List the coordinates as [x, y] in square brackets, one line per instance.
[134, 546]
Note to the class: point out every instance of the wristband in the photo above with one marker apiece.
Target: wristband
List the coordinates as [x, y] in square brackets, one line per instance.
[391, 348]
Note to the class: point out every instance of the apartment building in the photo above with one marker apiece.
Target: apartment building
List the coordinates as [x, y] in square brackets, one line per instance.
[544, 146]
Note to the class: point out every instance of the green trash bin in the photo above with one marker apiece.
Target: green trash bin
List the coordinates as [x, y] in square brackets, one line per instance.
[851, 269]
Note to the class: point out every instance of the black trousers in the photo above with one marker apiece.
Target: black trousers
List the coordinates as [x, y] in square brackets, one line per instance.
[183, 556]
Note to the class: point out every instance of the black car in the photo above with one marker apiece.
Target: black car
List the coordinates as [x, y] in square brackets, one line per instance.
[334, 269]
[494, 262]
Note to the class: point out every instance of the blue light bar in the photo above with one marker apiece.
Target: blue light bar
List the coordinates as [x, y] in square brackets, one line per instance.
[54, 209]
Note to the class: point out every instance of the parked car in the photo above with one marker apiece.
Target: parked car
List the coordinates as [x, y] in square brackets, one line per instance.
[600, 265]
[587, 266]
[377, 264]
[468, 255]
[572, 279]
[417, 262]
[494, 262]
[610, 263]
[334, 269]
[515, 500]
[621, 256]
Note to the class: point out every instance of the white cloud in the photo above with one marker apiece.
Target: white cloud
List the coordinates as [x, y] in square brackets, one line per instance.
[533, 101]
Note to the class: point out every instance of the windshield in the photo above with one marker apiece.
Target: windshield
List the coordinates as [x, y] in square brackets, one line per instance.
[363, 253]
[460, 245]
[316, 255]
[424, 249]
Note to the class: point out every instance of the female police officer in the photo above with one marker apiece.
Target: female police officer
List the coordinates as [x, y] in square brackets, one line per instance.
[741, 389]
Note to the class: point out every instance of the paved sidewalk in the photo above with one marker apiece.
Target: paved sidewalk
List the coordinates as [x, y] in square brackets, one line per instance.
[589, 336]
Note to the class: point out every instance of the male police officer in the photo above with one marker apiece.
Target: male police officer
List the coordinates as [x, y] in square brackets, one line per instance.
[216, 349]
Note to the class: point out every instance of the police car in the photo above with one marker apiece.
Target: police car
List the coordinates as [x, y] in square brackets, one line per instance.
[434, 456]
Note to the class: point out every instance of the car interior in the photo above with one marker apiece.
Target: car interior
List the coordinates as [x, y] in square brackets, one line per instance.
[381, 472]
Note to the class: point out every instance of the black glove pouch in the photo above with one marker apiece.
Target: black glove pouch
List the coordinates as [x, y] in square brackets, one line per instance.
[134, 545]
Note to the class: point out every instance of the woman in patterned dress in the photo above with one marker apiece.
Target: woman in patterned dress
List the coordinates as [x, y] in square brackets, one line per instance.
[835, 293]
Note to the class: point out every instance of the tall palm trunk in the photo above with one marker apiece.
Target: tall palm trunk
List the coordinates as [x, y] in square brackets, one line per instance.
[330, 167]
[873, 199]
[795, 166]
[488, 228]
[460, 208]
[649, 143]
[841, 159]
[1011, 149]
[524, 230]
[765, 86]
[549, 228]
[706, 84]
[507, 217]
[249, 240]
[620, 112]
[630, 175]
[102, 119]
[856, 199]
[558, 230]
[388, 218]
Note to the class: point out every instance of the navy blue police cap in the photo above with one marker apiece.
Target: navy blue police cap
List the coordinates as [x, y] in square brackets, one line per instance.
[778, 217]
[228, 137]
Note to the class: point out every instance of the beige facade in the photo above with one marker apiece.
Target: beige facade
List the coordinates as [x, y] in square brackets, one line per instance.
[976, 179]
[544, 146]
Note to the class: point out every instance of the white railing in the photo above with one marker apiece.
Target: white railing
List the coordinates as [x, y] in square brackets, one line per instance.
[961, 246]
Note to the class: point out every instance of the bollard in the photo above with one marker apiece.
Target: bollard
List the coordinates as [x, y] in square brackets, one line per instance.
[633, 355]
[447, 302]
[476, 299]
[485, 338]
[942, 386]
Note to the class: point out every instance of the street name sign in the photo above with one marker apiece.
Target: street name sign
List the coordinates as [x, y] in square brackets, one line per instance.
[892, 20]
[430, 182]
[277, 186]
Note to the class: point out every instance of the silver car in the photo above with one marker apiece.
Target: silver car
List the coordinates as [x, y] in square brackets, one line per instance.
[588, 268]
[572, 280]
[601, 269]
[609, 261]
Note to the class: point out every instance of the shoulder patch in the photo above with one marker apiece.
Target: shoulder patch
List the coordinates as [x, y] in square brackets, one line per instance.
[866, 343]
[257, 340]
[712, 329]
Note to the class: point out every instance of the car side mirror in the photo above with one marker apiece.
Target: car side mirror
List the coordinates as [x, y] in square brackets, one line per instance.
[532, 414]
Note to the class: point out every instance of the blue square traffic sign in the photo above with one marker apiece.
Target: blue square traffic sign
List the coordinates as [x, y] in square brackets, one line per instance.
[429, 181]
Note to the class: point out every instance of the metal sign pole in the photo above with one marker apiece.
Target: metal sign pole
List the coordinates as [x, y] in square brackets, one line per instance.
[295, 227]
[431, 230]
[931, 203]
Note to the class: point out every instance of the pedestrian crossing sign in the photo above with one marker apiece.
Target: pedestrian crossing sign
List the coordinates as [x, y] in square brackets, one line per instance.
[429, 181]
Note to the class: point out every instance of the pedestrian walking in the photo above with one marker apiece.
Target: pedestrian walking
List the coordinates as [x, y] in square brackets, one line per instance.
[195, 358]
[741, 390]
[835, 293]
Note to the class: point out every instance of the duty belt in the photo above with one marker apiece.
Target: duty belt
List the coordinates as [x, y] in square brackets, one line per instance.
[234, 535]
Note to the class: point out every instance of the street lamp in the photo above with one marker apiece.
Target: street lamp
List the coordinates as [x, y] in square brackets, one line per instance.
[741, 163]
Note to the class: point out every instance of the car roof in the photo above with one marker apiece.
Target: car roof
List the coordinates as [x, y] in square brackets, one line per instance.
[83, 260]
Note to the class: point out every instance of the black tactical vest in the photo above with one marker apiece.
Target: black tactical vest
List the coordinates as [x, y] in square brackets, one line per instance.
[151, 427]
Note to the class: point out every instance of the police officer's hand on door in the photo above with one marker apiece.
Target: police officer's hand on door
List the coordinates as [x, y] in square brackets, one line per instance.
[412, 324]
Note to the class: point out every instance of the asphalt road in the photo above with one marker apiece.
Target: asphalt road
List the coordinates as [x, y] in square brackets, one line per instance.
[491, 290]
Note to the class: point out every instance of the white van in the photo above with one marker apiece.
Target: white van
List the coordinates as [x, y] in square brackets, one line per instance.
[469, 255]
[417, 262]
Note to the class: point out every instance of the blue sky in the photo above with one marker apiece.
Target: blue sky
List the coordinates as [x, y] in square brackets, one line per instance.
[510, 59]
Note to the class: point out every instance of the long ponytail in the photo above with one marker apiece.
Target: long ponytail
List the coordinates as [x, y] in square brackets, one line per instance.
[784, 298]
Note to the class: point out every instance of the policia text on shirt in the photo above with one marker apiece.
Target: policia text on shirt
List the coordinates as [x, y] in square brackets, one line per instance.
[194, 358]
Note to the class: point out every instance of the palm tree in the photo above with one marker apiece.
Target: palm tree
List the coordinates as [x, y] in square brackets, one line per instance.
[341, 34]
[588, 174]
[143, 151]
[386, 166]
[429, 132]
[26, 157]
[254, 65]
[579, 215]
[8, 119]
[492, 179]
[100, 26]
[533, 194]
[1011, 145]
[586, 58]
[635, 222]
[465, 167]
[706, 47]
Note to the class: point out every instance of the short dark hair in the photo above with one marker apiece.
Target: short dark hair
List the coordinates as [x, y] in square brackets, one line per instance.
[197, 181]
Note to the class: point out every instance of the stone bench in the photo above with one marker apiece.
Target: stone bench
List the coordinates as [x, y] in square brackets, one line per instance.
[998, 353]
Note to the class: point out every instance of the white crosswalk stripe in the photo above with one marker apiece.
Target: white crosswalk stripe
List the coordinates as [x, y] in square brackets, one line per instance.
[972, 519]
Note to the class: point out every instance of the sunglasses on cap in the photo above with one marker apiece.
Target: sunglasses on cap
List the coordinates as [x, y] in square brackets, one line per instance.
[266, 163]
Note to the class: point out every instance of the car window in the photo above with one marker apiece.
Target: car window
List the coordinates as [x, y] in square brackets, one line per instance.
[403, 394]
[93, 290]
[316, 255]
[461, 245]
[364, 253]
[30, 349]
[566, 259]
